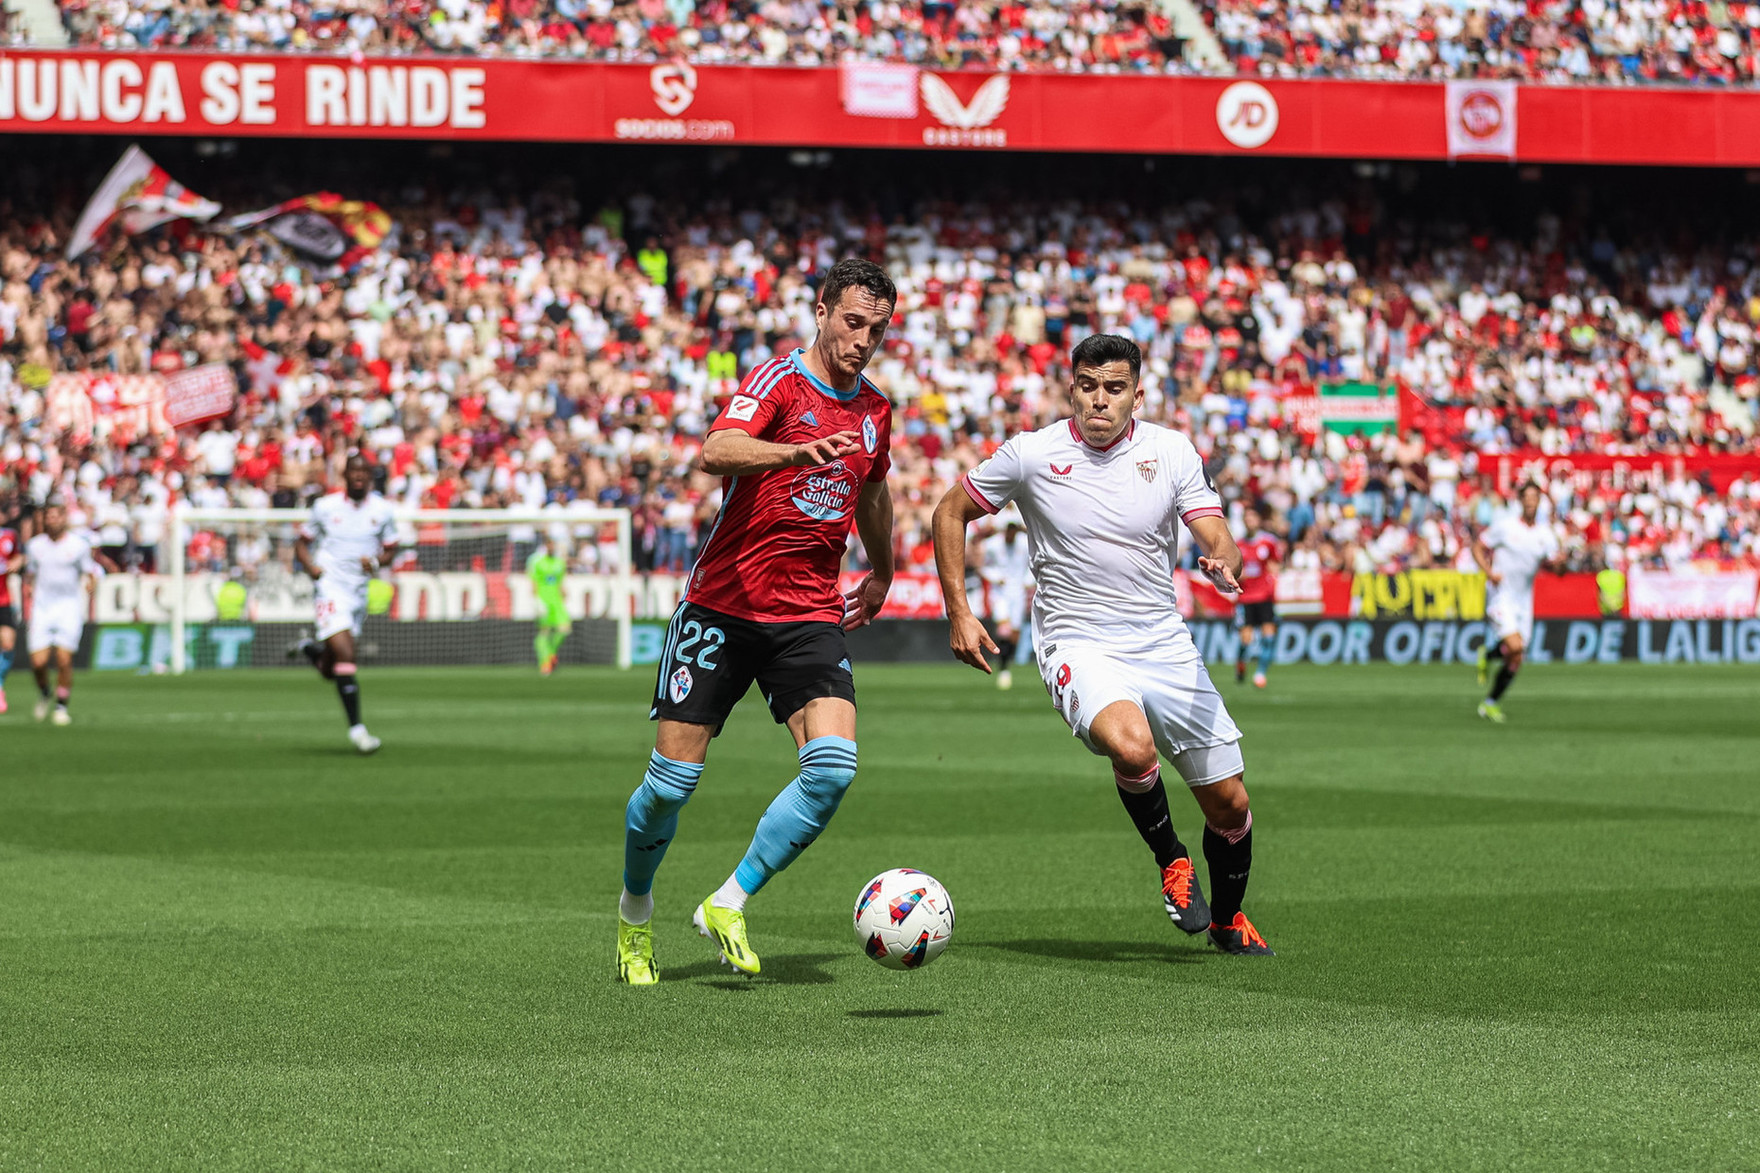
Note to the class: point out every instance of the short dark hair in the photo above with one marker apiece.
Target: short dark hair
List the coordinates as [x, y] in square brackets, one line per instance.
[359, 458]
[855, 273]
[1530, 484]
[1096, 350]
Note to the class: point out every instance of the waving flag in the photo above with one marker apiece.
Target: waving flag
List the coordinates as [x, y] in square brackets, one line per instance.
[138, 194]
[322, 225]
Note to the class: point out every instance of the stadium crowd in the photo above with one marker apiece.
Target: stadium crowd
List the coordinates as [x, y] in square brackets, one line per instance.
[544, 353]
[1565, 41]
[1019, 34]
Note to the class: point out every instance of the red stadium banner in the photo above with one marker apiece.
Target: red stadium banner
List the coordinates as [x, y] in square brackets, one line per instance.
[1725, 594]
[913, 595]
[1511, 468]
[75, 92]
[199, 394]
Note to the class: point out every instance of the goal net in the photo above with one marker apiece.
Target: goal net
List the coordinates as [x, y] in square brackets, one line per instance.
[456, 591]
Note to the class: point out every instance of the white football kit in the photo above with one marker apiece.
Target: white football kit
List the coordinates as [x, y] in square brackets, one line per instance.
[58, 599]
[1008, 575]
[342, 533]
[1104, 531]
[1518, 550]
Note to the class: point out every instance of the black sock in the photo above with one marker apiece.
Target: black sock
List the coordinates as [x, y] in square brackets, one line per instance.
[349, 689]
[312, 651]
[1495, 653]
[1006, 647]
[1148, 811]
[1229, 865]
[1501, 681]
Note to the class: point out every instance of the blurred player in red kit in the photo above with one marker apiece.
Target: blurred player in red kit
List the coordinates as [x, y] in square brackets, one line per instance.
[1256, 609]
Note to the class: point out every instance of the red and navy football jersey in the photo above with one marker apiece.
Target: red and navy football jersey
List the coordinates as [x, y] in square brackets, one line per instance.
[1259, 553]
[775, 550]
[8, 547]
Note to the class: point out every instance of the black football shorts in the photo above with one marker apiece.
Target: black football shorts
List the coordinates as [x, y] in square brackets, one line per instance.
[711, 659]
[1255, 614]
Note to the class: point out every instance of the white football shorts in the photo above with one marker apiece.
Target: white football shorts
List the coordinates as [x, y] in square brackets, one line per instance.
[1008, 604]
[339, 607]
[1191, 725]
[57, 624]
[1511, 614]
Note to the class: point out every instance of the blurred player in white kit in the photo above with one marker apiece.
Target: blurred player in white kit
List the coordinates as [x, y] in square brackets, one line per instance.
[348, 538]
[1007, 570]
[63, 571]
[1511, 551]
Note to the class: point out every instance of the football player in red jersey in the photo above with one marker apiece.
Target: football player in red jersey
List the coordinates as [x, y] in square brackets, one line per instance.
[803, 449]
[1256, 609]
[11, 562]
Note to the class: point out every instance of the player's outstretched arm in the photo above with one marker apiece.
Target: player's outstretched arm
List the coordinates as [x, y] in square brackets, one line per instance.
[1482, 555]
[874, 524]
[732, 453]
[302, 553]
[966, 636]
[1219, 559]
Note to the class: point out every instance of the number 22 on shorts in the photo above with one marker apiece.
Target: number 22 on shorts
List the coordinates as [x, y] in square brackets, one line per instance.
[694, 633]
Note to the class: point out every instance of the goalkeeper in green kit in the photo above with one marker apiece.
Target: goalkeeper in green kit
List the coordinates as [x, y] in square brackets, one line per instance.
[546, 569]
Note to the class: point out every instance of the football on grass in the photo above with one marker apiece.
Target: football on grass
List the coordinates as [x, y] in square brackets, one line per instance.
[904, 918]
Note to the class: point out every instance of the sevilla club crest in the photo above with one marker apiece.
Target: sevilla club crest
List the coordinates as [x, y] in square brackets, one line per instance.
[1147, 469]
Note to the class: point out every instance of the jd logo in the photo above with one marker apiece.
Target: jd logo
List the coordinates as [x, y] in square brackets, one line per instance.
[1246, 114]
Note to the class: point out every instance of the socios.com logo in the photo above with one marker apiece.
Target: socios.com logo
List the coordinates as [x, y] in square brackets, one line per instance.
[674, 85]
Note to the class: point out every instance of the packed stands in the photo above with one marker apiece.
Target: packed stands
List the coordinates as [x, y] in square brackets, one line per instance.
[1085, 35]
[1609, 41]
[1619, 42]
[570, 343]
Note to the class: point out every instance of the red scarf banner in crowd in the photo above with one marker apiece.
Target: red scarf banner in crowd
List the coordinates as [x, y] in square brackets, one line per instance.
[200, 393]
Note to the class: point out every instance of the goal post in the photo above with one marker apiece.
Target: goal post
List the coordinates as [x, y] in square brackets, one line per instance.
[456, 592]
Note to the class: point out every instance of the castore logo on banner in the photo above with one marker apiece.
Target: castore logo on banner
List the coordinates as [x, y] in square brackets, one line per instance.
[965, 122]
[674, 86]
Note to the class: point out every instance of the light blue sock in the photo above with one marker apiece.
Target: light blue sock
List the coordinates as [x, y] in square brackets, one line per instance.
[651, 819]
[1267, 650]
[5, 665]
[800, 813]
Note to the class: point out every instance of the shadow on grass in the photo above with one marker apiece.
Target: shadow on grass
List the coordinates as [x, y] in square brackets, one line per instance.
[1173, 954]
[907, 1012]
[789, 969]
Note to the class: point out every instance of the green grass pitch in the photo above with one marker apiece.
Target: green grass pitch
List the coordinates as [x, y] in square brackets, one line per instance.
[230, 943]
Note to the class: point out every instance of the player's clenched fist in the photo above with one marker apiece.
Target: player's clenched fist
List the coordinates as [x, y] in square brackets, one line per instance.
[970, 641]
[828, 448]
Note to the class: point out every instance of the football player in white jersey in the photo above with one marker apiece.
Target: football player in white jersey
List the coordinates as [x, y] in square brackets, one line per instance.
[1007, 572]
[1511, 552]
[1103, 496]
[62, 570]
[348, 538]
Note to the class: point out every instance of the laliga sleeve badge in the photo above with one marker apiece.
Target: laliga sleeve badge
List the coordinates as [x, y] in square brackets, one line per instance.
[870, 434]
[743, 407]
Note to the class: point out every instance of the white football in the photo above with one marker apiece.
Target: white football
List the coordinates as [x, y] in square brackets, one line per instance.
[904, 918]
